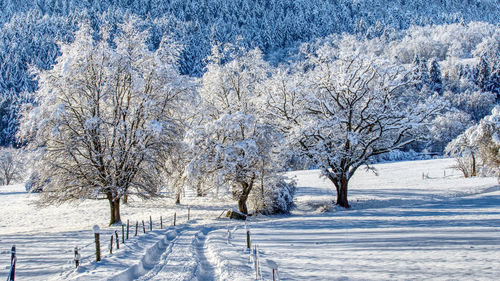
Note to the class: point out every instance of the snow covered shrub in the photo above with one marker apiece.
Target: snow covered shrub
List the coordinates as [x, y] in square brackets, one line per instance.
[281, 198]
[274, 197]
[448, 126]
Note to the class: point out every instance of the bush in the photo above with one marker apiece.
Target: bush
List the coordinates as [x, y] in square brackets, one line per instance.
[282, 198]
[276, 198]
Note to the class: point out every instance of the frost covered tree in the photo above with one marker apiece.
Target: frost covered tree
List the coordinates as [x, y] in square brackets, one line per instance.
[436, 83]
[11, 165]
[475, 103]
[29, 31]
[105, 117]
[421, 72]
[481, 141]
[447, 126]
[465, 150]
[487, 139]
[354, 107]
[483, 73]
[235, 146]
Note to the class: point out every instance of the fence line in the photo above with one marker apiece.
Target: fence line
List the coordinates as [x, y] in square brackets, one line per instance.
[76, 251]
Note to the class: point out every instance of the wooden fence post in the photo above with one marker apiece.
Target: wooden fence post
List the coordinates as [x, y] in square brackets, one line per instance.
[13, 260]
[123, 234]
[111, 244]
[175, 217]
[249, 246]
[143, 227]
[161, 222]
[256, 263]
[150, 224]
[117, 240]
[77, 258]
[128, 226]
[189, 212]
[97, 243]
[136, 227]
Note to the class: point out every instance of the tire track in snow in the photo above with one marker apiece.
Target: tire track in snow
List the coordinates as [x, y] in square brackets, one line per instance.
[206, 270]
[185, 260]
[154, 254]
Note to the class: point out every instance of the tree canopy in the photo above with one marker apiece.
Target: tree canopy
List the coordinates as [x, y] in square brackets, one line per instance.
[106, 117]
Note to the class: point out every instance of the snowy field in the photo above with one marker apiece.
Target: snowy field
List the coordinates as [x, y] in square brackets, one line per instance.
[401, 227]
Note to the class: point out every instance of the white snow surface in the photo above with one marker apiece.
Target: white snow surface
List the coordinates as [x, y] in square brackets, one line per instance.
[414, 220]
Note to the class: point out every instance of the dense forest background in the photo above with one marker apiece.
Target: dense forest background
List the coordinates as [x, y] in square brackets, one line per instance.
[453, 44]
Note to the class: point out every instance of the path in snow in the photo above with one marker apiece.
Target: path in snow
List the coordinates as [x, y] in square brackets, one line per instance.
[45, 237]
[206, 269]
[184, 259]
[177, 253]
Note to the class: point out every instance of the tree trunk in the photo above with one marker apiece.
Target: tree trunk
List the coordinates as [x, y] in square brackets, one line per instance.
[178, 197]
[6, 178]
[242, 199]
[342, 196]
[115, 211]
[473, 165]
[125, 199]
[242, 204]
[341, 185]
[199, 190]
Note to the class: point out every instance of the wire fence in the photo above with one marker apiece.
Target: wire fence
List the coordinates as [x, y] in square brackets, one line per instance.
[90, 251]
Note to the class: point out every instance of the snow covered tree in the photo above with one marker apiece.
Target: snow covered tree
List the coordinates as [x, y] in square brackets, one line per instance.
[447, 126]
[465, 149]
[483, 78]
[485, 139]
[11, 165]
[234, 146]
[495, 82]
[436, 83]
[355, 107]
[479, 144]
[105, 117]
[421, 72]
[475, 103]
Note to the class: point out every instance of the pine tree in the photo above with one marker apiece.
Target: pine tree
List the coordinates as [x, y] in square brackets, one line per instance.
[494, 85]
[435, 81]
[483, 73]
[421, 74]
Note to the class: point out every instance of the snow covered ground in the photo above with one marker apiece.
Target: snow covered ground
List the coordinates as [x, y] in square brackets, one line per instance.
[401, 227]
